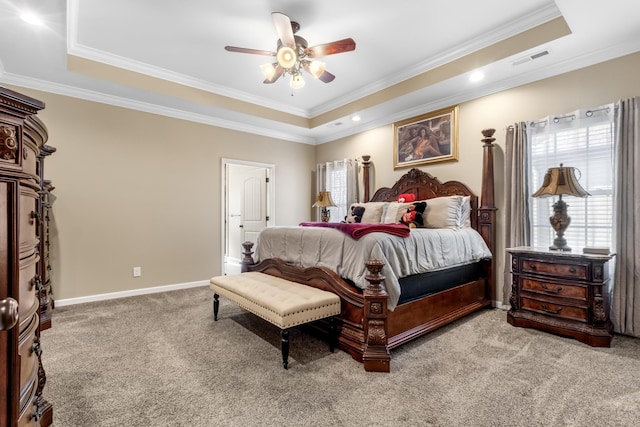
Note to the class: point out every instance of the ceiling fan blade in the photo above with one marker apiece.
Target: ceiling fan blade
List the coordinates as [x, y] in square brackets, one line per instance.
[340, 46]
[283, 27]
[245, 50]
[326, 76]
[279, 71]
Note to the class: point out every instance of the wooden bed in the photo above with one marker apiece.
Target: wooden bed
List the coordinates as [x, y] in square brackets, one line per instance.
[367, 329]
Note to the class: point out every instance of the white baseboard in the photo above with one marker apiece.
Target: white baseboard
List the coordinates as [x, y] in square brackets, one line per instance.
[156, 289]
[131, 293]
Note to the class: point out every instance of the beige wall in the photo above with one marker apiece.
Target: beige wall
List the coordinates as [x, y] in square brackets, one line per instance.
[137, 189]
[589, 87]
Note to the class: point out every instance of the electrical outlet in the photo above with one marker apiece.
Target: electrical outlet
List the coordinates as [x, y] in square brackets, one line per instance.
[137, 271]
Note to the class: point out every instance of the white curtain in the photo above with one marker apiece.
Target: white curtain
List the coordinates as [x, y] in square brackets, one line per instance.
[582, 139]
[340, 178]
[625, 306]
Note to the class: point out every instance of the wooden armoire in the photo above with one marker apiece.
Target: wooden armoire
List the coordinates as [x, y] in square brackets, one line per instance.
[23, 296]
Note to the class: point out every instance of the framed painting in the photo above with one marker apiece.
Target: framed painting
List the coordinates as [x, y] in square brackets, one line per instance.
[429, 138]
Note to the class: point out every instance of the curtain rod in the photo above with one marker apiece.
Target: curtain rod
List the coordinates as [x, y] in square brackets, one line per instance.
[589, 113]
[556, 119]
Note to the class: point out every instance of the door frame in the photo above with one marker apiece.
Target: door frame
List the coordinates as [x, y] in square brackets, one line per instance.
[224, 213]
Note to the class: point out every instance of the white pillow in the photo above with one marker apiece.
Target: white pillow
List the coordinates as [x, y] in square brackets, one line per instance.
[448, 212]
[443, 212]
[393, 211]
[372, 212]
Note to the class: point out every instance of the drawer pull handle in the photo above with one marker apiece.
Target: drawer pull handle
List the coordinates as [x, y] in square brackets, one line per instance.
[533, 266]
[572, 270]
[548, 289]
[36, 282]
[36, 349]
[34, 216]
[549, 310]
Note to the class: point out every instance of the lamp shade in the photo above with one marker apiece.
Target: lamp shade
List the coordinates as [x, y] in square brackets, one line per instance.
[558, 181]
[316, 68]
[297, 82]
[323, 200]
[268, 70]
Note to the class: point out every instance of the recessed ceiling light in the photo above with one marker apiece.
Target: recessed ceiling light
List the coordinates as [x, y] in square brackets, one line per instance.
[476, 76]
[355, 118]
[31, 18]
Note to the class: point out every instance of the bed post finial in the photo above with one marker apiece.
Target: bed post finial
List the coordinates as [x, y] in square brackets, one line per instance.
[487, 190]
[487, 210]
[366, 164]
[247, 259]
[376, 355]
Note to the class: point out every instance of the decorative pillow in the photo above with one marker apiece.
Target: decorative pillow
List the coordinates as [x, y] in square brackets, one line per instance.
[443, 212]
[393, 211]
[372, 212]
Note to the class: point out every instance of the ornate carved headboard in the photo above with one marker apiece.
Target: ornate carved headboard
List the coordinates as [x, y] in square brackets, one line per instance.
[426, 186]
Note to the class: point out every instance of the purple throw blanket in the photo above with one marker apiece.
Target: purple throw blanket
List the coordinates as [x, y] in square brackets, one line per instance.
[356, 230]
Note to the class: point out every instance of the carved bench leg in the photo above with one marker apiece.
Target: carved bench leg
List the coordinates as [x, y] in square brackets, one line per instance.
[333, 334]
[216, 305]
[285, 348]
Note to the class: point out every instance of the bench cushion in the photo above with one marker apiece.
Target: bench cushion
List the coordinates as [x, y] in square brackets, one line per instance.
[279, 301]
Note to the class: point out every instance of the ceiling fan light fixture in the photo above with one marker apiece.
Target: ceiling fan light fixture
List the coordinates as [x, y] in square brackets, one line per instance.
[297, 82]
[316, 68]
[287, 57]
[268, 70]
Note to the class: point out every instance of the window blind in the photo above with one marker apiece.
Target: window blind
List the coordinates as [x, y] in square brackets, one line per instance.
[584, 140]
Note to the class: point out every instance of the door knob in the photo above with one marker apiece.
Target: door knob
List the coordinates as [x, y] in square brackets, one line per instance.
[8, 313]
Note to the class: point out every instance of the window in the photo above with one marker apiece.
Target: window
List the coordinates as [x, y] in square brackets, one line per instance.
[340, 178]
[583, 140]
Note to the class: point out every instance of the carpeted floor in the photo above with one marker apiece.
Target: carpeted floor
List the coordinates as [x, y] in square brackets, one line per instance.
[160, 360]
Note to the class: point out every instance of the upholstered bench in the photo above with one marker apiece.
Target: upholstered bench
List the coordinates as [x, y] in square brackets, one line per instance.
[281, 302]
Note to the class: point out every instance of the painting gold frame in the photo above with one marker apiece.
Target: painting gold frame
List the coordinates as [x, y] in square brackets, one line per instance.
[429, 138]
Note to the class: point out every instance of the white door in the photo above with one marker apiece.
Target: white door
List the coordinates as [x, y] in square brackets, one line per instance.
[253, 203]
[247, 208]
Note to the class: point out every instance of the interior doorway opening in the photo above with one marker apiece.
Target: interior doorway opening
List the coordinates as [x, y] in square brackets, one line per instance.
[247, 207]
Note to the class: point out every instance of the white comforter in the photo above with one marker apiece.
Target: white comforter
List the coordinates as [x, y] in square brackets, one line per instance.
[424, 250]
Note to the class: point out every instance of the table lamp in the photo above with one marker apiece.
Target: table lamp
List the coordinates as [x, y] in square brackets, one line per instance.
[324, 201]
[557, 182]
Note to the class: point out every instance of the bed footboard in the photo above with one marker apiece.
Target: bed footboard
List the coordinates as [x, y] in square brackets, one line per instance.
[362, 324]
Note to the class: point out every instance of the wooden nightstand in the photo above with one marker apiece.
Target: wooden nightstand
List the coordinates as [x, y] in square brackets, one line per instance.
[561, 292]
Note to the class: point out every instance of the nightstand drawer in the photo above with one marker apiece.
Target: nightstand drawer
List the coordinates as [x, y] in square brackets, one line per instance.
[558, 310]
[536, 266]
[555, 289]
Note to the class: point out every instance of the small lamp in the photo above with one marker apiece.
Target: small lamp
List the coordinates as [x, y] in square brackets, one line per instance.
[559, 181]
[324, 201]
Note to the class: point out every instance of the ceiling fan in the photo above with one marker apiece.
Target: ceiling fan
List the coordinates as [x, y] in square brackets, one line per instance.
[293, 54]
